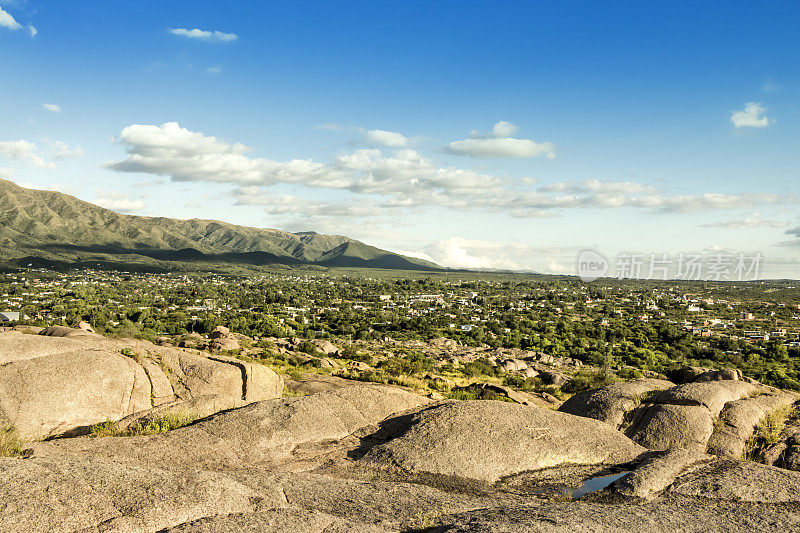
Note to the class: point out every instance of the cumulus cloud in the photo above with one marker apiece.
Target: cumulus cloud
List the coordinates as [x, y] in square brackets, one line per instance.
[118, 202]
[499, 143]
[403, 177]
[183, 155]
[204, 35]
[33, 31]
[752, 116]
[386, 138]
[23, 150]
[459, 252]
[52, 108]
[7, 21]
[504, 129]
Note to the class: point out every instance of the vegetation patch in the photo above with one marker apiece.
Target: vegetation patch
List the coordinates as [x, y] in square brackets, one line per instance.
[127, 352]
[589, 379]
[767, 433]
[160, 424]
[10, 443]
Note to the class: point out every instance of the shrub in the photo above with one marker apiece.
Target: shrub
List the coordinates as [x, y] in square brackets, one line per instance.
[629, 373]
[522, 383]
[410, 365]
[477, 394]
[477, 368]
[588, 379]
[308, 347]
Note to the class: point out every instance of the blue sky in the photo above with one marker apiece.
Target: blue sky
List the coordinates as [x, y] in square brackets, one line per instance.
[475, 134]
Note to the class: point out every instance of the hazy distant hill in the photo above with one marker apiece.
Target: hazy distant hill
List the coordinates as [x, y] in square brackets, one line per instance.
[55, 228]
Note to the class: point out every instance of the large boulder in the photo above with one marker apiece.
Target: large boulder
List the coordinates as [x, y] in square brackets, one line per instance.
[224, 344]
[610, 404]
[713, 395]
[218, 332]
[54, 384]
[739, 418]
[662, 427]
[485, 440]
[658, 471]
[62, 331]
[261, 433]
[57, 393]
[276, 520]
[741, 481]
[685, 416]
[326, 347]
[259, 382]
[93, 494]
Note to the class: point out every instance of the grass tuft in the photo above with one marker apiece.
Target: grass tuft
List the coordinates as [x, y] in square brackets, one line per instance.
[153, 426]
[767, 433]
[10, 443]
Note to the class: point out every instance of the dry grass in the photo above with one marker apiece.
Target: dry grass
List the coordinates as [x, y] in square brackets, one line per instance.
[767, 433]
[160, 424]
[10, 443]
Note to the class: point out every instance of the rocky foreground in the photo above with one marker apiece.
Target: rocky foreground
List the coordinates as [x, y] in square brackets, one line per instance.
[350, 456]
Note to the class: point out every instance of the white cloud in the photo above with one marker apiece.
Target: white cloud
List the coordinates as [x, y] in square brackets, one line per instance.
[386, 138]
[754, 221]
[214, 70]
[499, 143]
[183, 155]
[33, 31]
[504, 129]
[751, 117]
[458, 252]
[62, 150]
[23, 150]
[6, 172]
[118, 202]
[7, 21]
[403, 178]
[507, 147]
[204, 35]
[52, 107]
[281, 204]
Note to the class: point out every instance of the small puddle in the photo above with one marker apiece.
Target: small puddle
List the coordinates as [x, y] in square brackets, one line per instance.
[596, 483]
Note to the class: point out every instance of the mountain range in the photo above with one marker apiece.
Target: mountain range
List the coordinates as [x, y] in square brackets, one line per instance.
[48, 228]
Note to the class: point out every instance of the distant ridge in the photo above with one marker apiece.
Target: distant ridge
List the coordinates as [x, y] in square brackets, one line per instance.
[47, 228]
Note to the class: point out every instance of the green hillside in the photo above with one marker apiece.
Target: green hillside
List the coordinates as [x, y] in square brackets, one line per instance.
[52, 228]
